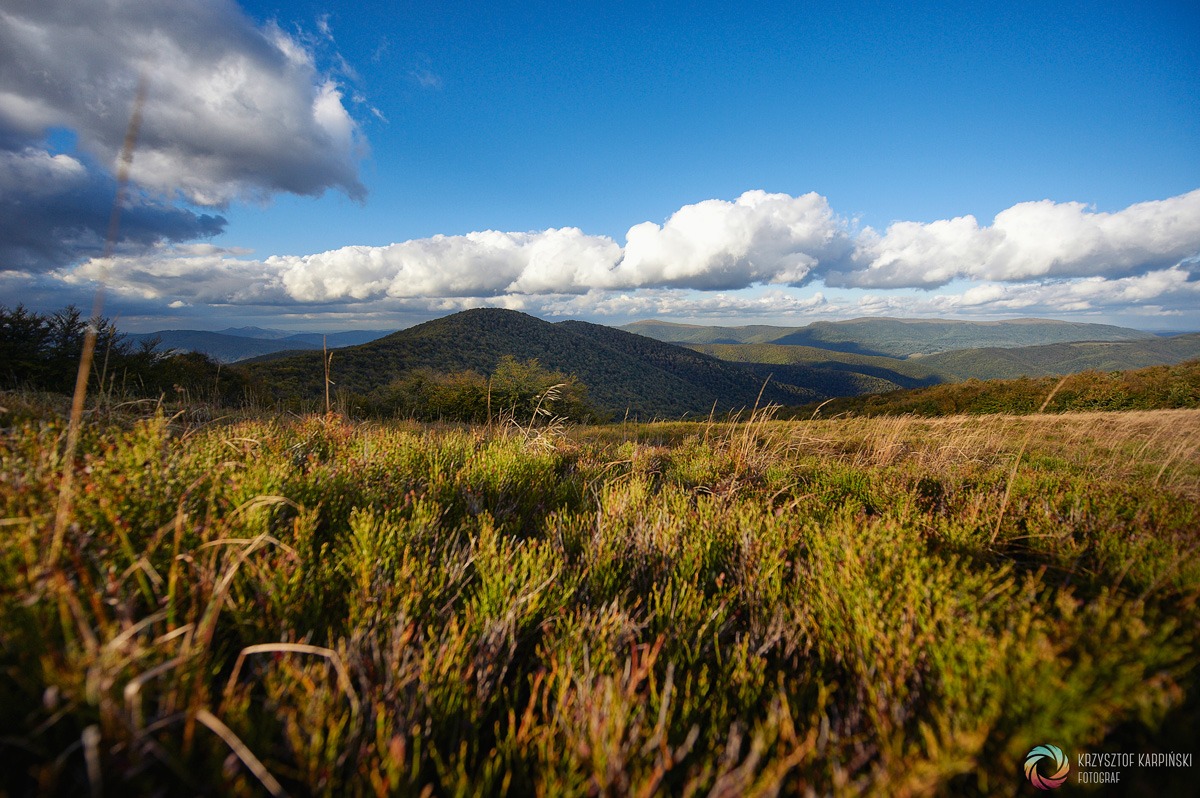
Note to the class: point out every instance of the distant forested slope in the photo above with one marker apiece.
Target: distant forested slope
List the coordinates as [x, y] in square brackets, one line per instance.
[645, 377]
[1068, 358]
[623, 372]
[827, 364]
[230, 346]
[707, 334]
[895, 337]
[1152, 388]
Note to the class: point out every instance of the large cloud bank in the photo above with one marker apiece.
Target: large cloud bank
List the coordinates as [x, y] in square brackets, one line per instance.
[1030, 240]
[233, 111]
[759, 239]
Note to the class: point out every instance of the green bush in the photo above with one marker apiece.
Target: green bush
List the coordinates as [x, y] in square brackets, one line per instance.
[523, 391]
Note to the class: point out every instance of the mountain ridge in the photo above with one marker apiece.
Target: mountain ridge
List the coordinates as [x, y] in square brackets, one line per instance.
[1064, 358]
[627, 373]
[228, 347]
[624, 372]
[894, 337]
[985, 363]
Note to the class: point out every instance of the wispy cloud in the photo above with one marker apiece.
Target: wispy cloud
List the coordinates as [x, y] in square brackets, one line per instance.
[426, 78]
[381, 50]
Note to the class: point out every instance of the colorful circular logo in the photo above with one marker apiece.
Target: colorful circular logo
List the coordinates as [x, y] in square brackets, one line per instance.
[1050, 757]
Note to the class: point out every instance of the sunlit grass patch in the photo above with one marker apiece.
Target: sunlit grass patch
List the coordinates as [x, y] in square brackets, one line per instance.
[893, 605]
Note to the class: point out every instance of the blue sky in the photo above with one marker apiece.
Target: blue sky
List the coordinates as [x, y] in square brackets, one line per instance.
[723, 163]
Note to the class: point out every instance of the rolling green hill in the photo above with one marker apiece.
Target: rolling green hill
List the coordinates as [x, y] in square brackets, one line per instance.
[1066, 358]
[1151, 388]
[645, 377]
[827, 364]
[829, 382]
[907, 337]
[705, 334]
[895, 337]
[623, 372]
[988, 363]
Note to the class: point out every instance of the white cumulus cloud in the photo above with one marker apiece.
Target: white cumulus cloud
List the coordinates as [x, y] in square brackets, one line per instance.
[1036, 258]
[233, 110]
[1170, 290]
[477, 264]
[1029, 240]
[207, 275]
[758, 238]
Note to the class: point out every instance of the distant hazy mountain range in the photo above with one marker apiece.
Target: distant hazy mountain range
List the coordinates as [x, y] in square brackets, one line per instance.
[633, 370]
[239, 343]
[992, 363]
[986, 363]
[962, 350]
[894, 337]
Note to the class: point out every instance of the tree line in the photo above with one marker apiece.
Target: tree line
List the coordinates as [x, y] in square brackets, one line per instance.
[41, 351]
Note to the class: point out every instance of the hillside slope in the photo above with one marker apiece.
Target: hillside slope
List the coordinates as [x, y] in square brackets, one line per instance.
[706, 334]
[623, 372]
[1068, 358]
[730, 385]
[1151, 388]
[907, 337]
[827, 365]
[987, 363]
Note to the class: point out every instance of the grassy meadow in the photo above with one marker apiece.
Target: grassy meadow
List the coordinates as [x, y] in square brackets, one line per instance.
[314, 606]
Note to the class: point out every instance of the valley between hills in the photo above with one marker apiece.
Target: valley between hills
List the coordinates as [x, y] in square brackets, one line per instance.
[657, 370]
